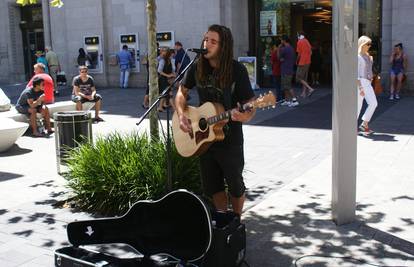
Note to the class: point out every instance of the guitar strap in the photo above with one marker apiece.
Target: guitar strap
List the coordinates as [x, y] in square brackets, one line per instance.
[228, 92]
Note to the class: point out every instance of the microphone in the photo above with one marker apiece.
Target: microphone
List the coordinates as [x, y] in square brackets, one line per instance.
[198, 50]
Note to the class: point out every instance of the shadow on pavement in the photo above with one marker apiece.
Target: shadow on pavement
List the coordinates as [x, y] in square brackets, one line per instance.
[380, 137]
[15, 150]
[304, 237]
[5, 176]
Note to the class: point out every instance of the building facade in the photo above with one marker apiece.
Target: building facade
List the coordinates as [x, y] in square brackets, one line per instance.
[24, 31]
[98, 26]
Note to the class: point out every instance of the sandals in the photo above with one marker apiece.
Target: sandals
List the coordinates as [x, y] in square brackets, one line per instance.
[37, 134]
[98, 119]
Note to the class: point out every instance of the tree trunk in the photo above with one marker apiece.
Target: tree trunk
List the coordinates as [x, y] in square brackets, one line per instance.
[152, 61]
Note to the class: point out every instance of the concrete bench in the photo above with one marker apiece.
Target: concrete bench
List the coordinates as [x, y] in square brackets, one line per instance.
[10, 131]
[53, 108]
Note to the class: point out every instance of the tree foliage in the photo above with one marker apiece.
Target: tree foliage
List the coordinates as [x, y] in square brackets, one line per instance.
[53, 3]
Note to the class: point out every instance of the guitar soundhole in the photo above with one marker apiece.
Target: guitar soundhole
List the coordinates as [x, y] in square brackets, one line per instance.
[202, 125]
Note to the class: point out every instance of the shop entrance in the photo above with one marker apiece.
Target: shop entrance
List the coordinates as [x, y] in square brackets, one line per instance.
[273, 18]
[31, 26]
[270, 19]
[315, 19]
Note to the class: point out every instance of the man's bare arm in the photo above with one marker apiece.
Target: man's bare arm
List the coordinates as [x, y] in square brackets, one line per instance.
[181, 106]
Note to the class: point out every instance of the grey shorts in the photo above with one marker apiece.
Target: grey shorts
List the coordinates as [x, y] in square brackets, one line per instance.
[302, 73]
[286, 82]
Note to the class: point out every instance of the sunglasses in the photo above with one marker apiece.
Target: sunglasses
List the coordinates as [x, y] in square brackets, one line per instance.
[84, 71]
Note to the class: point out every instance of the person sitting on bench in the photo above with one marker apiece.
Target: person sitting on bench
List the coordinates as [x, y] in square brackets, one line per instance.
[84, 91]
[30, 102]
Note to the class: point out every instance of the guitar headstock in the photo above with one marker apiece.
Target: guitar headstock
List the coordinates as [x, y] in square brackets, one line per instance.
[265, 100]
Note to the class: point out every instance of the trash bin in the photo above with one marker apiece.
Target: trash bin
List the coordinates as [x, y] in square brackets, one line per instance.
[71, 129]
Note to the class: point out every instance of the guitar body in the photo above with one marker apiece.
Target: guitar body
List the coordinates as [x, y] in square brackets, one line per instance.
[203, 135]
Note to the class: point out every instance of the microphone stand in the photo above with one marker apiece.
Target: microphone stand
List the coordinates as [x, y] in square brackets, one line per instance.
[165, 94]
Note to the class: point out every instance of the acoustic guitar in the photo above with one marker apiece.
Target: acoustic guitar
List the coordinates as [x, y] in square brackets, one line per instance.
[207, 122]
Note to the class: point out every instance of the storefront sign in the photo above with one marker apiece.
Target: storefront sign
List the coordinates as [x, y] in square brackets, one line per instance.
[268, 23]
[250, 64]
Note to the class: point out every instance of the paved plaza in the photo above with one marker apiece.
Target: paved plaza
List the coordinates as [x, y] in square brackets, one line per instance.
[288, 175]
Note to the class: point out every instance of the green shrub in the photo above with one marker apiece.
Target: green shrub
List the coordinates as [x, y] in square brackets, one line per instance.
[118, 170]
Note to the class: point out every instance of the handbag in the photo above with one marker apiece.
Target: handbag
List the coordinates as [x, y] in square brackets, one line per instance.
[376, 84]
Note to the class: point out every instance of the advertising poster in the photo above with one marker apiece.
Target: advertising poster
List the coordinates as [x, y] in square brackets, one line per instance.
[268, 23]
[250, 64]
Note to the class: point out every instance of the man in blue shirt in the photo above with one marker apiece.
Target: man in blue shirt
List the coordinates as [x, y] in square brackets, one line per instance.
[124, 59]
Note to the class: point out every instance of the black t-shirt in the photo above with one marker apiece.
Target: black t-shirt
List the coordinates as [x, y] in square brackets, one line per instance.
[84, 87]
[240, 91]
[27, 94]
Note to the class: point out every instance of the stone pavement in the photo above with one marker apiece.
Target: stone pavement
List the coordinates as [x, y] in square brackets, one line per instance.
[288, 173]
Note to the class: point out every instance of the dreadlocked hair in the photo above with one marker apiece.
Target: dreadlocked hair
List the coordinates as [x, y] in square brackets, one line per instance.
[224, 70]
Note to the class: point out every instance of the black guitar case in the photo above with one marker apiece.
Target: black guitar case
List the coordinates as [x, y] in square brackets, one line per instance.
[180, 225]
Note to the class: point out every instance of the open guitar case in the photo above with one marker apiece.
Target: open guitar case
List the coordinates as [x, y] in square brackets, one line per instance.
[177, 230]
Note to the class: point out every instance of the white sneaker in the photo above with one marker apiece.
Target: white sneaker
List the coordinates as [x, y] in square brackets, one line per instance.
[294, 104]
[391, 97]
[285, 103]
[397, 96]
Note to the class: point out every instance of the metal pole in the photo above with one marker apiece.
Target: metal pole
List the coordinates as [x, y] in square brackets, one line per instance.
[46, 23]
[344, 117]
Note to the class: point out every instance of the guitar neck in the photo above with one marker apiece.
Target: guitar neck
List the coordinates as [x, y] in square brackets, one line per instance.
[226, 114]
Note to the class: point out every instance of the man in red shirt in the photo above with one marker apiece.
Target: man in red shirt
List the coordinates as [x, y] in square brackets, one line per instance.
[39, 70]
[304, 50]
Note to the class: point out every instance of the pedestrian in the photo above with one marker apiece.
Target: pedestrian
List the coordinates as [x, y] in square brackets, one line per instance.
[274, 59]
[166, 73]
[316, 63]
[83, 58]
[221, 79]
[365, 90]
[41, 59]
[31, 102]
[304, 50]
[53, 63]
[181, 58]
[286, 55]
[84, 91]
[48, 86]
[125, 61]
[399, 64]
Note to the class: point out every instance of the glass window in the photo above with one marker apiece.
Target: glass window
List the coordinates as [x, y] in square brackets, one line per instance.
[370, 25]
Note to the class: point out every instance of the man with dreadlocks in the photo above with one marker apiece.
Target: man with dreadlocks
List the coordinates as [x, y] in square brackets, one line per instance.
[221, 79]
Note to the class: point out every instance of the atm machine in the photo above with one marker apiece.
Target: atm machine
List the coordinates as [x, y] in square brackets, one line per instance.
[166, 39]
[131, 40]
[93, 47]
